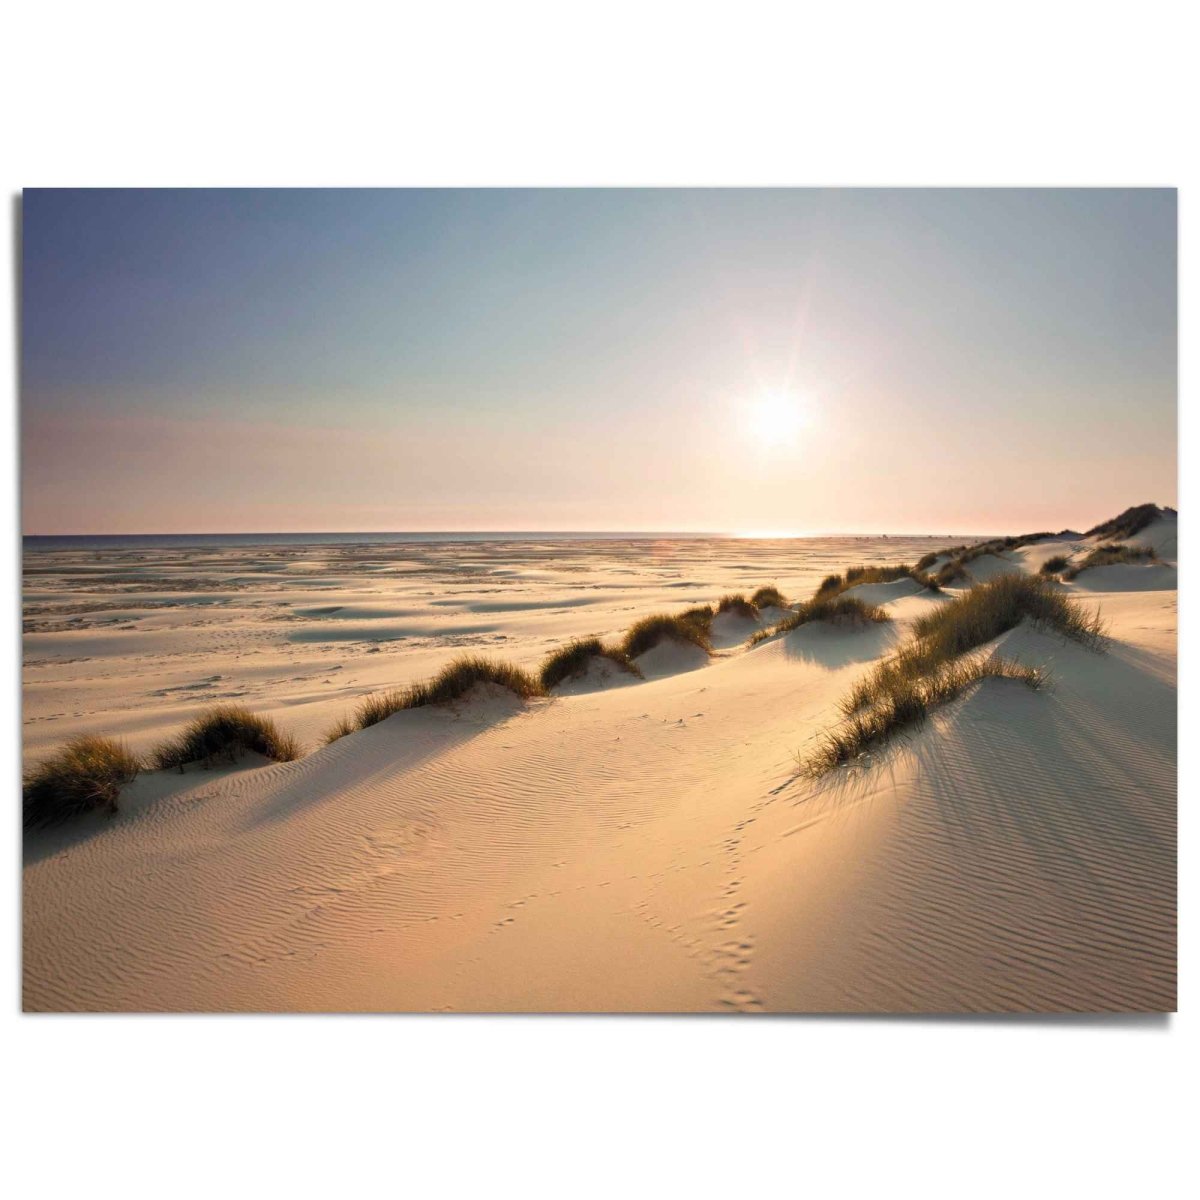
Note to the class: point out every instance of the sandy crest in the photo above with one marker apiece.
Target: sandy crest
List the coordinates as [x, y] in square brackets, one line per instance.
[650, 847]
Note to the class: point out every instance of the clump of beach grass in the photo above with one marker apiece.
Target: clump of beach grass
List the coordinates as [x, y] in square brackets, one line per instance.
[834, 585]
[224, 732]
[572, 660]
[1055, 563]
[736, 603]
[690, 627]
[905, 706]
[86, 775]
[466, 672]
[1127, 524]
[970, 621]
[451, 683]
[769, 597]
[950, 572]
[954, 569]
[1109, 555]
[855, 576]
[843, 609]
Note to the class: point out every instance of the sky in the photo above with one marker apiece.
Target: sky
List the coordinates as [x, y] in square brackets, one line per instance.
[788, 361]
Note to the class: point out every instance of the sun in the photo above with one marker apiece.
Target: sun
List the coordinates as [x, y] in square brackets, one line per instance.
[773, 421]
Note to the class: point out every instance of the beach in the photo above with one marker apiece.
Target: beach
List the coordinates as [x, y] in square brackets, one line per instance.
[623, 843]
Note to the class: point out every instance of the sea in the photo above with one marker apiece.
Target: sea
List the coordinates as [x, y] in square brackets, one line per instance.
[133, 541]
[119, 541]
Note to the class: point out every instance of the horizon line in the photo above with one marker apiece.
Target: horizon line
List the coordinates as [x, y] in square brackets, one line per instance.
[730, 533]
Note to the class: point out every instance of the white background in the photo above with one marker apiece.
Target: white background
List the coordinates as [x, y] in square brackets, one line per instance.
[614, 93]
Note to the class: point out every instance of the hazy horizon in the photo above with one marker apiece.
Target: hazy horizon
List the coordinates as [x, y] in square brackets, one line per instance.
[518, 534]
[700, 361]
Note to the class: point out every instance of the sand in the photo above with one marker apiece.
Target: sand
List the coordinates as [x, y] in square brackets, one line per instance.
[621, 846]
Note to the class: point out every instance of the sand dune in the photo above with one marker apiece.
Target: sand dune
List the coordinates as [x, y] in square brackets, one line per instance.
[624, 845]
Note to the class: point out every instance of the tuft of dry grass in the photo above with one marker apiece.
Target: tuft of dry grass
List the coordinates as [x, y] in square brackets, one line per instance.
[906, 705]
[1025, 539]
[451, 683]
[689, 627]
[954, 569]
[970, 621]
[769, 597]
[859, 575]
[847, 609]
[572, 660]
[1055, 564]
[464, 673]
[950, 572]
[1108, 555]
[225, 731]
[370, 711]
[85, 775]
[701, 616]
[736, 603]
[834, 585]
[1127, 524]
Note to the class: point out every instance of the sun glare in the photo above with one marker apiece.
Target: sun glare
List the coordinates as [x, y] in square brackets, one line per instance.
[774, 421]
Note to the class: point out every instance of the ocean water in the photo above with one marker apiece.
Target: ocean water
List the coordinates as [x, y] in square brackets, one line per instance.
[121, 541]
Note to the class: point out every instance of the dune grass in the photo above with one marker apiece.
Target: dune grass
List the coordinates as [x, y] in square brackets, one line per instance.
[844, 609]
[769, 597]
[451, 683]
[950, 572]
[1055, 564]
[690, 627]
[968, 622]
[1108, 555]
[1025, 539]
[854, 576]
[1127, 524]
[225, 731]
[736, 603]
[85, 775]
[372, 709]
[955, 569]
[572, 660]
[464, 673]
[906, 705]
[834, 585]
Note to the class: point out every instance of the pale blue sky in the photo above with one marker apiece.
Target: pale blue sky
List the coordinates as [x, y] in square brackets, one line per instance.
[306, 360]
